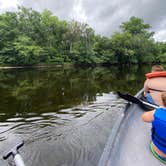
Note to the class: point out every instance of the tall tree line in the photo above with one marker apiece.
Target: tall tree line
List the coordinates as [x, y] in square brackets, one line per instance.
[29, 37]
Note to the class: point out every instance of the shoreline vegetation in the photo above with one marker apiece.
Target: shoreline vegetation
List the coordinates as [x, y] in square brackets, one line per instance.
[32, 66]
[39, 39]
[70, 65]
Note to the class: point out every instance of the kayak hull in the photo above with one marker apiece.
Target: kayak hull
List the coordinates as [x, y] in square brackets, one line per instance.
[130, 146]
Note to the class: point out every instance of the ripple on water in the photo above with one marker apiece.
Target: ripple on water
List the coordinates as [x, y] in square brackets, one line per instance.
[33, 119]
[15, 119]
[31, 113]
[2, 114]
[70, 136]
[3, 138]
[9, 127]
[48, 114]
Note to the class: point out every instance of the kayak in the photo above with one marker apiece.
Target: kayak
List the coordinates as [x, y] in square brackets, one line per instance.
[128, 144]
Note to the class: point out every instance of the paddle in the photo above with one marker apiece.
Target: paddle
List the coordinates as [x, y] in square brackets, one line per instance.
[14, 152]
[135, 100]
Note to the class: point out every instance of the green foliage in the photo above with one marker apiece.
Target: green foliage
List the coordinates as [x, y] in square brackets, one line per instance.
[161, 57]
[27, 52]
[29, 37]
[135, 26]
[135, 43]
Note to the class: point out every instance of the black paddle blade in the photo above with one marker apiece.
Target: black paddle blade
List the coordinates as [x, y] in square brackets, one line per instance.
[130, 98]
[145, 105]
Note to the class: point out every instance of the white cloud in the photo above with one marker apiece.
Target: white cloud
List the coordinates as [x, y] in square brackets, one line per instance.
[102, 15]
[160, 35]
[78, 12]
[8, 4]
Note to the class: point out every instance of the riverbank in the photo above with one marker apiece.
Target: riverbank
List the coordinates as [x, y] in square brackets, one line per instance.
[69, 65]
[66, 65]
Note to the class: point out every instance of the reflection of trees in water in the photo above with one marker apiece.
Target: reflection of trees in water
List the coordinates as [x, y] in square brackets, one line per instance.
[24, 91]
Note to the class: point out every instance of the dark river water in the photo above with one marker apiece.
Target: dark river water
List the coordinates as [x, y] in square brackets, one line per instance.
[64, 115]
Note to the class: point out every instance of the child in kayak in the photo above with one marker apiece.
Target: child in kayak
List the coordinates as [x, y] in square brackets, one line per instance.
[158, 119]
[154, 86]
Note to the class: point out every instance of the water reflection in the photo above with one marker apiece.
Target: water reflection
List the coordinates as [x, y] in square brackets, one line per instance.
[31, 92]
[66, 113]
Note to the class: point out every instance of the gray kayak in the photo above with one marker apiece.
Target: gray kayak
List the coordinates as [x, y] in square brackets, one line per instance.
[128, 144]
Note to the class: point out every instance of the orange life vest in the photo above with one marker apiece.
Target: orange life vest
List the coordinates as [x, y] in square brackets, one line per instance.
[156, 74]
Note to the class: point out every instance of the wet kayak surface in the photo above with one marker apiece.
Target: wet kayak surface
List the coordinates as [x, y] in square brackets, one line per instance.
[131, 144]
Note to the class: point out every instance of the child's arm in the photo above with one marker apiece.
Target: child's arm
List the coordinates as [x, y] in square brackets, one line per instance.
[148, 116]
[146, 87]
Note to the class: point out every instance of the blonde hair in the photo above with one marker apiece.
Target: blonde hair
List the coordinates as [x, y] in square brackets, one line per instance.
[163, 97]
[157, 68]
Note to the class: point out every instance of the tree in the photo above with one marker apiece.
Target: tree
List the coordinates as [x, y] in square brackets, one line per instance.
[27, 52]
[103, 50]
[8, 32]
[30, 37]
[136, 26]
[134, 44]
[122, 48]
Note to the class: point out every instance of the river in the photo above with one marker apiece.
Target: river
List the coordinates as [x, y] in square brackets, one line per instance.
[64, 115]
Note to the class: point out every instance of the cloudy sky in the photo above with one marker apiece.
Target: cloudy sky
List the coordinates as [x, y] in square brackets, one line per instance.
[104, 16]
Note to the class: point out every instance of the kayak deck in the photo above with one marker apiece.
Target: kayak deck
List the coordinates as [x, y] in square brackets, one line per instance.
[131, 144]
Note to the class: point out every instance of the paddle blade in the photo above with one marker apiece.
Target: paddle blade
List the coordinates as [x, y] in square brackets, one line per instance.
[135, 100]
[130, 98]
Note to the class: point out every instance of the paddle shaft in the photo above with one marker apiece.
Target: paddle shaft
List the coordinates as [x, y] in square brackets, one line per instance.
[18, 160]
[151, 105]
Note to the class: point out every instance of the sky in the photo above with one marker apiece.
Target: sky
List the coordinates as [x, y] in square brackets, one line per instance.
[104, 16]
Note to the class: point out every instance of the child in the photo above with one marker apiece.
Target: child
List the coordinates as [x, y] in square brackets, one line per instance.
[158, 119]
[153, 87]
